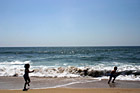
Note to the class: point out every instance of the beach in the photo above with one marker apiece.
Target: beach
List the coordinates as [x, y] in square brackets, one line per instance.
[86, 83]
[70, 85]
[70, 69]
[70, 46]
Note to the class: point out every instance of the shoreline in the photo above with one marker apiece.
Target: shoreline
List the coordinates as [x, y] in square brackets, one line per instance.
[17, 83]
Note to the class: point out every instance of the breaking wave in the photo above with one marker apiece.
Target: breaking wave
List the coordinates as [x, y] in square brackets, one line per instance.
[16, 68]
[14, 63]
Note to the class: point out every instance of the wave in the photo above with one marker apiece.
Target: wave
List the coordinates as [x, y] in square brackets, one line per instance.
[15, 63]
[28, 52]
[68, 72]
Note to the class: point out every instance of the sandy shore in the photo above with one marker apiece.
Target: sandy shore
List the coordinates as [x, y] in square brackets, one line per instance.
[66, 90]
[43, 83]
[67, 85]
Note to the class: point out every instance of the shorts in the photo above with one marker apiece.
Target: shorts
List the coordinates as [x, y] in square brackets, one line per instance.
[26, 78]
[113, 76]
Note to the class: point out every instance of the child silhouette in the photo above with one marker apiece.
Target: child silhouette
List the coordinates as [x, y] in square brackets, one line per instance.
[113, 74]
[26, 76]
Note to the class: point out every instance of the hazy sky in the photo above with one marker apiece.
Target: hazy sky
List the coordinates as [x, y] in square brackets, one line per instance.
[69, 23]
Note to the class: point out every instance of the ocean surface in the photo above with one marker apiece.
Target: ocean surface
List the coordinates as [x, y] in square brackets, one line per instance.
[96, 62]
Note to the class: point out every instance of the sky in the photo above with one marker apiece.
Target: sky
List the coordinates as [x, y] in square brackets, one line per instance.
[27, 23]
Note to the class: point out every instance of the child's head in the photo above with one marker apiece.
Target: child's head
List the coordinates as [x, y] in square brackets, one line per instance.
[115, 68]
[27, 66]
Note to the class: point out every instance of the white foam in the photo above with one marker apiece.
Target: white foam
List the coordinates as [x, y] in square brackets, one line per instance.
[129, 77]
[121, 77]
[64, 85]
[17, 67]
[15, 63]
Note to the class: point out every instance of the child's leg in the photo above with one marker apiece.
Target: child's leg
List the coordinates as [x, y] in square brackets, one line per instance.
[25, 84]
[28, 81]
[25, 78]
[113, 80]
[109, 79]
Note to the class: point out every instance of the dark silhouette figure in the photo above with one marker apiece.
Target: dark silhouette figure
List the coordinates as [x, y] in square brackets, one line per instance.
[113, 74]
[26, 76]
[86, 72]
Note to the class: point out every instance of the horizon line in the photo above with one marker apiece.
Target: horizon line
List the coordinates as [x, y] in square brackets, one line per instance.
[78, 46]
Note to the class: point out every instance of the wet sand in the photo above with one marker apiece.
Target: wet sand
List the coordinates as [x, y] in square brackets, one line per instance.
[77, 83]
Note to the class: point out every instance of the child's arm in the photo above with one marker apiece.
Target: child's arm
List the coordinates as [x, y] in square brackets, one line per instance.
[31, 71]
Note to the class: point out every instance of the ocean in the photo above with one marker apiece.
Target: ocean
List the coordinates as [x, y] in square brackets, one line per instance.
[95, 62]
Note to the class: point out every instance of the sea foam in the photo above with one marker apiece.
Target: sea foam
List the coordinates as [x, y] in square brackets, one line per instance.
[16, 68]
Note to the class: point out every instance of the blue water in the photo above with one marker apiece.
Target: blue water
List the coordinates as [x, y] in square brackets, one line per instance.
[99, 58]
[72, 56]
